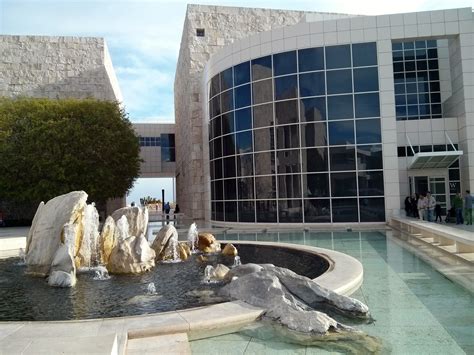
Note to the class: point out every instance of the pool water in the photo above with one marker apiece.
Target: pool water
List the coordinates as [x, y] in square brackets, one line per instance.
[417, 309]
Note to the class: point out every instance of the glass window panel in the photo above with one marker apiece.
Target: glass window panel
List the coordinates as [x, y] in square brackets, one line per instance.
[216, 106]
[246, 211]
[366, 79]
[341, 132]
[397, 46]
[288, 161]
[338, 57]
[230, 189]
[263, 139]
[370, 183]
[434, 86]
[423, 98]
[230, 211]
[399, 89]
[229, 167]
[284, 63]
[313, 109]
[372, 209]
[227, 101]
[432, 53]
[369, 157]
[400, 100]
[367, 105]
[288, 137]
[411, 77]
[289, 186]
[399, 78]
[420, 54]
[217, 147]
[424, 110]
[219, 190]
[290, 211]
[242, 73]
[435, 97]
[343, 184]
[409, 55]
[314, 134]
[315, 159]
[262, 91]
[368, 131]
[344, 210]
[228, 145]
[420, 44]
[339, 81]
[340, 107]
[342, 158]
[211, 168]
[410, 65]
[245, 165]
[432, 43]
[266, 211]
[244, 142]
[213, 190]
[317, 211]
[421, 65]
[242, 96]
[315, 185]
[263, 115]
[215, 85]
[364, 54]
[227, 79]
[433, 64]
[216, 126]
[265, 187]
[286, 87]
[401, 112]
[423, 87]
[311, 59]
[398, 67]
[245, 187]
[434, 75]
[228, 123]
[421, 75]
[264, 163]
[312, 84]
[397, 56]
[243, 119]
[454, 174]
[401, 152]
[286, 112]
[412, 99]
[261, 68]
[219, 212]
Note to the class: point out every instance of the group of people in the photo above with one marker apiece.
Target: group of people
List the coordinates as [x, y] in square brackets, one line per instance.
[424, 206]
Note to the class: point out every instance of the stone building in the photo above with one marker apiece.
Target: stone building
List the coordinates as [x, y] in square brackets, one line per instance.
[299, 117]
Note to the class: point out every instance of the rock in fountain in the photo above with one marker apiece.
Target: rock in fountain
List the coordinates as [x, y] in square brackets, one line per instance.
[230, 250]
[166, 244]
[107, 240]
[207, 243]
[193, 237]
[131, 256]
[291, 299]
[137, 219]
[215, 274]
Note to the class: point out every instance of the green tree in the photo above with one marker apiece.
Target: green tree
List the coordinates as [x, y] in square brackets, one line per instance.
[50, 147]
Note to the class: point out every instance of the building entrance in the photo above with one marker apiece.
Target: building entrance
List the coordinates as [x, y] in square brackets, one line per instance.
[435, 184]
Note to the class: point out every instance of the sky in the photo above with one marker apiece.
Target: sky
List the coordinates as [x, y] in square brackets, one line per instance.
[143, 37]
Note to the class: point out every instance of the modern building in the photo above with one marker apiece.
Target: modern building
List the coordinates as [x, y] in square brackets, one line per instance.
[300, 117]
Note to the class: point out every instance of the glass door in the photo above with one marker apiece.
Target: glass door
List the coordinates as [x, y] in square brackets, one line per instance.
[438, 191]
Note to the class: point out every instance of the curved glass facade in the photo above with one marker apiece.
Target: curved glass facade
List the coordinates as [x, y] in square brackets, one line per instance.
[295, 137]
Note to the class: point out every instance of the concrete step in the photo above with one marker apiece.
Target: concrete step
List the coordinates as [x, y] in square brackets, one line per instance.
[161, 344]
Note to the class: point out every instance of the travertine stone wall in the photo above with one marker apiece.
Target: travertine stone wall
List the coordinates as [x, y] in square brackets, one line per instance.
[223, 26]
[57, 67]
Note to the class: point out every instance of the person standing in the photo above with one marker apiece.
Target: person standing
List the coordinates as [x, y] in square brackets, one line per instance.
[430, 206]
[457, 204]
[414, 205]
[421, 207]
[468, 207]
[438, 213]
[407, 207]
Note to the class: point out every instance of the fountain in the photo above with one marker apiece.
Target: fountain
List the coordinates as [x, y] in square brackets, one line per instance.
[193, 237]
[101, 274]
[208, 273]
[237, 261]
[151, 289]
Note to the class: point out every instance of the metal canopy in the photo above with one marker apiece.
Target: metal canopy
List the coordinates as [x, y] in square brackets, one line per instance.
[434, 160]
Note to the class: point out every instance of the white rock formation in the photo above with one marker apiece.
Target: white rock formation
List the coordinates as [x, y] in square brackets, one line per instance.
[162, 244]
[107, 240]
[46, 232]
[291, 299]
[88, 250]
[137, 219]
[131, 256]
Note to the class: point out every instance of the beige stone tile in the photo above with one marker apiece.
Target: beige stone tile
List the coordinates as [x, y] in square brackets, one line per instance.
[57, 329]
[165, 323]
[162, 344]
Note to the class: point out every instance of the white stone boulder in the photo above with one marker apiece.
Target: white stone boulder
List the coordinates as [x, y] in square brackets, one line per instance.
[137, 219]
[107, 240]
[87, 251]
[131, 256]
[46, 232]
[165, 242]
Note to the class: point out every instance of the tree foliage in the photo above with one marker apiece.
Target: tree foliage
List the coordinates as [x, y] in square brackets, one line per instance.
[50, 147]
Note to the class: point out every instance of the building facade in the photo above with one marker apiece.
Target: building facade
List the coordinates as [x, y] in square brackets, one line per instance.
[319, 119]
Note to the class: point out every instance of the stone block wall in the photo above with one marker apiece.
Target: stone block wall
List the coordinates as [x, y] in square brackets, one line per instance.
[57, 67]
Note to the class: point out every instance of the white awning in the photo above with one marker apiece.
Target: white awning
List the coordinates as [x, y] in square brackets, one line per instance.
[434, 160]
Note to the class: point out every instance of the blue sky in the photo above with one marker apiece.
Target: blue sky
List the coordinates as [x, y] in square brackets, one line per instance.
[144, 36]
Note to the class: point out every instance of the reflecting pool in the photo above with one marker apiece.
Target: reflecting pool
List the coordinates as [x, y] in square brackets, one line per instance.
[417, 309]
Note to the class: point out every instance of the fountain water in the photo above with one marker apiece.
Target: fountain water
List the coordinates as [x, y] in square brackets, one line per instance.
[101, 274]
[237, 261]
[193, 236]
[208, 271]
[22, 257]
[151, 289]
